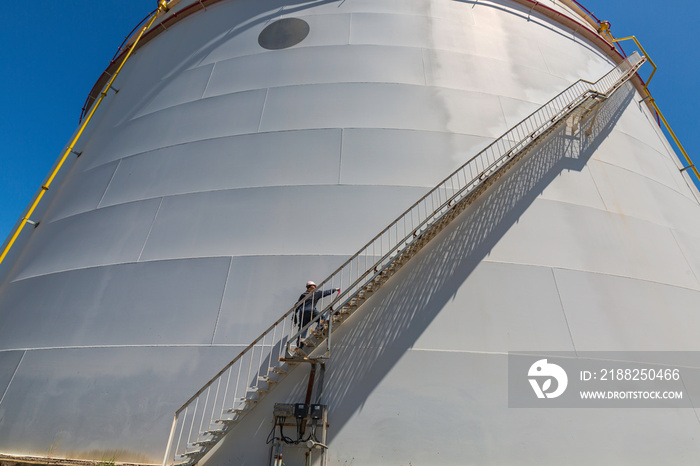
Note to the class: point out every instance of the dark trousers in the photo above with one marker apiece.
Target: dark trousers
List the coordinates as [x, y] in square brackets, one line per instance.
[306, 317]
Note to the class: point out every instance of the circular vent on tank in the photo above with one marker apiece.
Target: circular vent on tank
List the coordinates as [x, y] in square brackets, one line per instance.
[283, 33]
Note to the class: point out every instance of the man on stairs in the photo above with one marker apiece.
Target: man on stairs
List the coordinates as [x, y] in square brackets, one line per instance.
[306, 311]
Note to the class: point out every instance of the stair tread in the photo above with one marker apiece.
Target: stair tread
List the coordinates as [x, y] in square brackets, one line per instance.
[206, 443]
[227, 421]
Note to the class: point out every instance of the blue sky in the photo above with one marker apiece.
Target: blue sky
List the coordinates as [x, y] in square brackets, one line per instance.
[53, 52]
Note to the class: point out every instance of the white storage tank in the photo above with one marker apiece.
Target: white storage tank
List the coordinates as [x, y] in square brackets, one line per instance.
[257, 144]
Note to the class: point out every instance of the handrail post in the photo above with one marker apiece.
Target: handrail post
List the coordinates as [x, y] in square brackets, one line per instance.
[170, 439]
[330, 332]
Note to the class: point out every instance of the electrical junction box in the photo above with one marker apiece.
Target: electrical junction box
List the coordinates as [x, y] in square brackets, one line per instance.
[316, 411]
[283, 410]
[301, 410]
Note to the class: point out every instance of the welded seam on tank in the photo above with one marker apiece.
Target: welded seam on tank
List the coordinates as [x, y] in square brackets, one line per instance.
[364, 84]
[544, 58]
[93, 210]
[442, 350]
[340, 156]
[530, 353]
[150, 229]
[597, 190]
[13, 374]
[606, 211]
[685, 389]
[648, 178]
[164, 345]
[503, 112]
[682, 250]
[119, 264]
[206, 87]
[262, 110]
[670, 153]
[221, 304]
[464, 54]
[663, 156]
[594, 272]
[487, 139]
[104, 193]
[191, 193]
[488, 353]
[563, 310]
[610, 211]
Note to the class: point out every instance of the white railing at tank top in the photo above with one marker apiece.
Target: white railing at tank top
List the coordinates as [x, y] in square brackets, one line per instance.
[203, 420]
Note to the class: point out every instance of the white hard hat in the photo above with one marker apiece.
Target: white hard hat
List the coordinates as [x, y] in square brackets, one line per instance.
[310, 283]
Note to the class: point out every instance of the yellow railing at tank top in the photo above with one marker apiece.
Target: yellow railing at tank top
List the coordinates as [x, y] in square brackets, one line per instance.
[605, 30]
[162, 6]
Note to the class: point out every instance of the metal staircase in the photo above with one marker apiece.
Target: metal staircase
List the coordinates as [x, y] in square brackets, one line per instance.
[222, 402]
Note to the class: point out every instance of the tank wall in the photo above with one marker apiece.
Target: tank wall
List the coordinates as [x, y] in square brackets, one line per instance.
[223, 176]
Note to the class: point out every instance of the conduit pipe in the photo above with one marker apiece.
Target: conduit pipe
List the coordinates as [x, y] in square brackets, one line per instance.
[162, 6]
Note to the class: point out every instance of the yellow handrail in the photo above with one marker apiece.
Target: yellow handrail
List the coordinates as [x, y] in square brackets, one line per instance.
[652, 102]
[162, 6]
[651, 62]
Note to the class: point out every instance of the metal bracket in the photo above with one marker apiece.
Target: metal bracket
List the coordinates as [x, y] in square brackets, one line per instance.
[649, 98]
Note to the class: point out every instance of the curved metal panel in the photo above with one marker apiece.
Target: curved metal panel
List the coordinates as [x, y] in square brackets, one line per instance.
[187, 86]
[642, 306]
[396, 106]
[273, 221]
[99, 237]
[567, 245]
[621, 150]
[404, 157]
[193, 121]
[130, 304]
[253, 160]
[82, 193]
[644, 199]
[316, 65]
